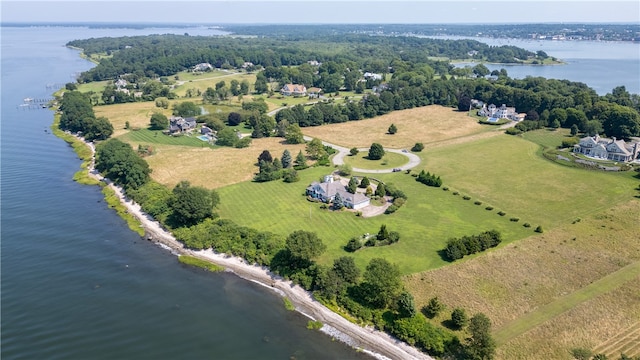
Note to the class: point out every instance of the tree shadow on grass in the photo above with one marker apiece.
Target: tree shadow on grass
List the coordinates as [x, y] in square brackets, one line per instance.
[443, 255]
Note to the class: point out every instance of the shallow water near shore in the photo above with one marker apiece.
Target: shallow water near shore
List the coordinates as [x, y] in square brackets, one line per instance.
[76, 282]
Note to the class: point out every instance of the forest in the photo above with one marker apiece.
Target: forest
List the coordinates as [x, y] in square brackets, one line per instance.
[165, 55]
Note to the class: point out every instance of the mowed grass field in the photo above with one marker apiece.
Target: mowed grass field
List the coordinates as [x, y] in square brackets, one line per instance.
[507, 172]
[389, 160]
[209, 80]
[429, 124]
[574, 286]
[429, 218]
[541, 291]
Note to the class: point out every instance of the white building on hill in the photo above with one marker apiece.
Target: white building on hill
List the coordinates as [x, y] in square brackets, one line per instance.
[328, 188]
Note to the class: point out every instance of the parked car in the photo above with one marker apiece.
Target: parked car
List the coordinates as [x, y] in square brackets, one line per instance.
[396, 169]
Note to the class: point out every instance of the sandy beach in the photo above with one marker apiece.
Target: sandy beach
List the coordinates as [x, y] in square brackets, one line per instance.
[366, 339]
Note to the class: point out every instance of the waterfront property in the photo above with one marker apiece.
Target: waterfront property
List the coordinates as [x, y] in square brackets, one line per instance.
[610, 149]
[327, 189]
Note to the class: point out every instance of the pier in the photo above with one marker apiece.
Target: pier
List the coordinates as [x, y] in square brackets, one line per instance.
[29, 103]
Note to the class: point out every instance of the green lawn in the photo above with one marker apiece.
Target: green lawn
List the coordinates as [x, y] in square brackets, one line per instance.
[509, 173]
[547, 138]
[95, 86]
[429, 218]
[389, 160]
[157, 137]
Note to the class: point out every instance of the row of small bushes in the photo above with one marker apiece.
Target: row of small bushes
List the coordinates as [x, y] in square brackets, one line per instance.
[538, 229]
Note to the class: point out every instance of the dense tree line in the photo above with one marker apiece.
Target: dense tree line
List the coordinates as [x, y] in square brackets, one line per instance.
[78, 117]
[547, 102]
[165, 55]
[119, 162]
[457, 248]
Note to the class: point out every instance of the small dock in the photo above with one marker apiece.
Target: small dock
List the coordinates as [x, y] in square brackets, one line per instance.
[29, 103]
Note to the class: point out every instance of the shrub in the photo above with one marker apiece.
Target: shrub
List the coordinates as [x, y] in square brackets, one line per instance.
[513, 131]
[502, 213]
[455, 193]
[417, 147]
[527, 225]
[568, 143]
[466, 197]
[353, 244]
[489, 208]
[514, 219]
[314, 325]
[539, 229]
[581, 353]
[477, 202]
[446, 188]
[398, 202]
[391, 209]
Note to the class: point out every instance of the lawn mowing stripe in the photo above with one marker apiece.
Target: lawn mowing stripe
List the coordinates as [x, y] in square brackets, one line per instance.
[607, 346]
[557, 307]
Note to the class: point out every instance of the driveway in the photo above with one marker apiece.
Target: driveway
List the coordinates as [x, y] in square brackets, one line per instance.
[338, 159]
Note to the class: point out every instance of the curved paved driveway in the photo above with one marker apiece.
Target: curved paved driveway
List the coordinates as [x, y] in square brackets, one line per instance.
[338, 159]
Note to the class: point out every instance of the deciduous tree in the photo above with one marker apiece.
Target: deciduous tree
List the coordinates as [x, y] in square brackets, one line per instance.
[382, 283]
[158, 122]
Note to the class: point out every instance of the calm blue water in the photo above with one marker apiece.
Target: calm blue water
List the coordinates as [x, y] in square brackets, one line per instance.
[76, 283]
[599, 64]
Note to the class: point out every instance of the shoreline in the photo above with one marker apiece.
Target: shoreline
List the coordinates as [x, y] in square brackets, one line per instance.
[377, 344]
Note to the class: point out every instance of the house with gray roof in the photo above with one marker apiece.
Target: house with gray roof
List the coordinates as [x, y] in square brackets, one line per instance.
[609, 149]
[178, 124]
[327, 189]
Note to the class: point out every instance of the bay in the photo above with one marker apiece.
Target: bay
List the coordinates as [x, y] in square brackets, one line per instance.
[76, 282]
[602, 65]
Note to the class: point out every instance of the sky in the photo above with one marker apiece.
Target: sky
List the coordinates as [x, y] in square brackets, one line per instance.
[320, 12]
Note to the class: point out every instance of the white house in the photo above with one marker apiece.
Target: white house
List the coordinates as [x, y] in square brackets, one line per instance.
[328, 188]
[502, 112]
[202, 67]
[610, 149]
[374, 76]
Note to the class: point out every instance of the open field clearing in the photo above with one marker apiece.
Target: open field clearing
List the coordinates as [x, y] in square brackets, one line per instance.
[549, 277]
[95, 86]
[156, 137]
[426, 124]
[626, 342]
[207, 80]
[212, 168]
[137, 114]
[584, 326]
[506, 172]
[429, 218]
